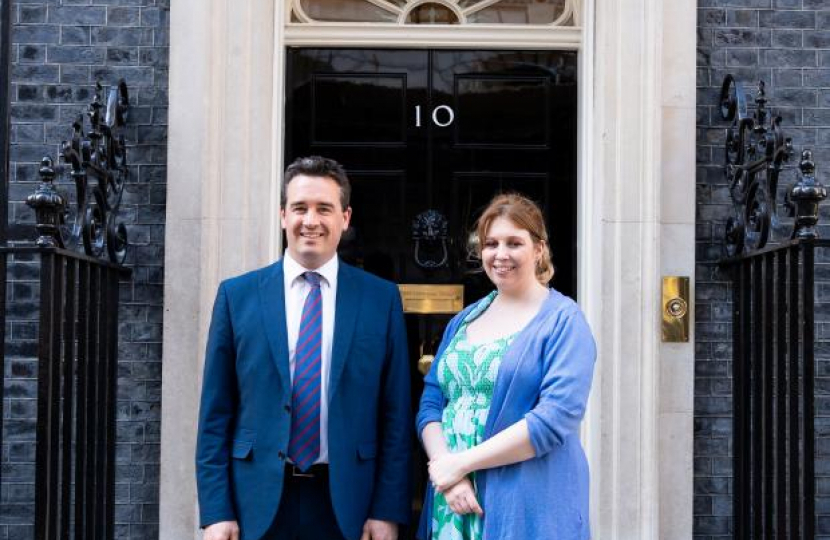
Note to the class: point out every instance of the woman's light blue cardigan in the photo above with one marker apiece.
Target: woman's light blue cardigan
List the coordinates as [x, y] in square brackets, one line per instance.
[544, 377]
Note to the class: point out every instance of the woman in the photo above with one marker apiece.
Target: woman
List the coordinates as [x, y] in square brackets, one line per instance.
[503, 401]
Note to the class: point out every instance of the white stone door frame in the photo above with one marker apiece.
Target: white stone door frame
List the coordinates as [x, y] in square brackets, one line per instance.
[636, 205]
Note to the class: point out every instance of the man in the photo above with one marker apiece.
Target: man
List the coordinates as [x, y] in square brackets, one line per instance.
[304, 426]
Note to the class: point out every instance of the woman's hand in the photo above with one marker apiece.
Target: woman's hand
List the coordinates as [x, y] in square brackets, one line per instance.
[448, 470]
[461, 498]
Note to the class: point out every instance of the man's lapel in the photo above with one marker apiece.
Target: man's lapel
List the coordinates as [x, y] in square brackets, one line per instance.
[272, 300]
[346, 308]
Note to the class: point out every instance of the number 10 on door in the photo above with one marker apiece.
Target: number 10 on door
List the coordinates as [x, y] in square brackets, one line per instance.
[442, 116]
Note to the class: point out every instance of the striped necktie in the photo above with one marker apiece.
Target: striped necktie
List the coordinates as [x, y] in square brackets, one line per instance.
[304, 445]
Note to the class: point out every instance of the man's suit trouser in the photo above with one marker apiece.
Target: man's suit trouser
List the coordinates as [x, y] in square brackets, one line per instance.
[305, 511]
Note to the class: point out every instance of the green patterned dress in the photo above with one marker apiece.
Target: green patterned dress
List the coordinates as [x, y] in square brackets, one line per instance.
[467, 375]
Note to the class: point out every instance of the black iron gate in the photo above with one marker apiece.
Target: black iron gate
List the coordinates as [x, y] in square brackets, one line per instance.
[773, 374]
[77, 374]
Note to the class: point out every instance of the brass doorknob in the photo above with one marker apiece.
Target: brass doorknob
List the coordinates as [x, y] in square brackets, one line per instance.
[425, 363]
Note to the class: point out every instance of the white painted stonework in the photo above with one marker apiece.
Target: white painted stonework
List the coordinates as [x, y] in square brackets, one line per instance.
[637, 210]
[464, 11]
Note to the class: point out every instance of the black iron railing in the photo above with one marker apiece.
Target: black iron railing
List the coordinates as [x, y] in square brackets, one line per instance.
[773, 390]
[76, 397]
[773, 331]
[78, 322]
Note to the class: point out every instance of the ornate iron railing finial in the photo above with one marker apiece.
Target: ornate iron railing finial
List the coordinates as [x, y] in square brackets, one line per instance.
[48, 204]
[804, 197]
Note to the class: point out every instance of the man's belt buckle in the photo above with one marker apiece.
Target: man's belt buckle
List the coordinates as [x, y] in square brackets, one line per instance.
[295, 471]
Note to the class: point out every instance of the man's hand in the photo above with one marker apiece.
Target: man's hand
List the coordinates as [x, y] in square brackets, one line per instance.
[447, 470]
[461, 498]
[223, 530]
[374, 529]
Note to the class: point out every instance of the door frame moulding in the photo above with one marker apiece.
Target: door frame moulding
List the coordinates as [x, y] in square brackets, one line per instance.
[490, 36]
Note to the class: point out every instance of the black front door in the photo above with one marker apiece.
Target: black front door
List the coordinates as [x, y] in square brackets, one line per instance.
[428, 138]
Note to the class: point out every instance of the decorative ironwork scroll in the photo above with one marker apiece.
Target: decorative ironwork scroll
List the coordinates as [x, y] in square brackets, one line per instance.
[756, 150]
[98, 168]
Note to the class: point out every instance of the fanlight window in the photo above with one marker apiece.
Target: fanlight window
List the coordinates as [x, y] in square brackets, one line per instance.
[411, 12]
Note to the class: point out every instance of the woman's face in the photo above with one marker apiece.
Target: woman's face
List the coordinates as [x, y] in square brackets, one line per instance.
[509, 255]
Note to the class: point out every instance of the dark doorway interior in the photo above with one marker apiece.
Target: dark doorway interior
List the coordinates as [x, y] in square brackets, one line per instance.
[439, 130]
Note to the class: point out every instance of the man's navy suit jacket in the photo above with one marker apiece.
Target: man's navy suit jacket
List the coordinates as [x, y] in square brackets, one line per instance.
[245, 416]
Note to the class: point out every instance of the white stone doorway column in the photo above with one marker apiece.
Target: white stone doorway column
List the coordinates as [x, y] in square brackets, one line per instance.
[636, 193]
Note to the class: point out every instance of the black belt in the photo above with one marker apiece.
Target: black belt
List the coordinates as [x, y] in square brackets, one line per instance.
[319, 471]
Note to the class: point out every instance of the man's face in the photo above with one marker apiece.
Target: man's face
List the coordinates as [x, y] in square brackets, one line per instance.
[313, 219]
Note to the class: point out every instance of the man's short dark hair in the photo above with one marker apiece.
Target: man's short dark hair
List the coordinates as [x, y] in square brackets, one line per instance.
[320, 167]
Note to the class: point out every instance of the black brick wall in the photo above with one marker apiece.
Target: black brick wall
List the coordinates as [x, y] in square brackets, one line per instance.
[60, 48]
[785, 43]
